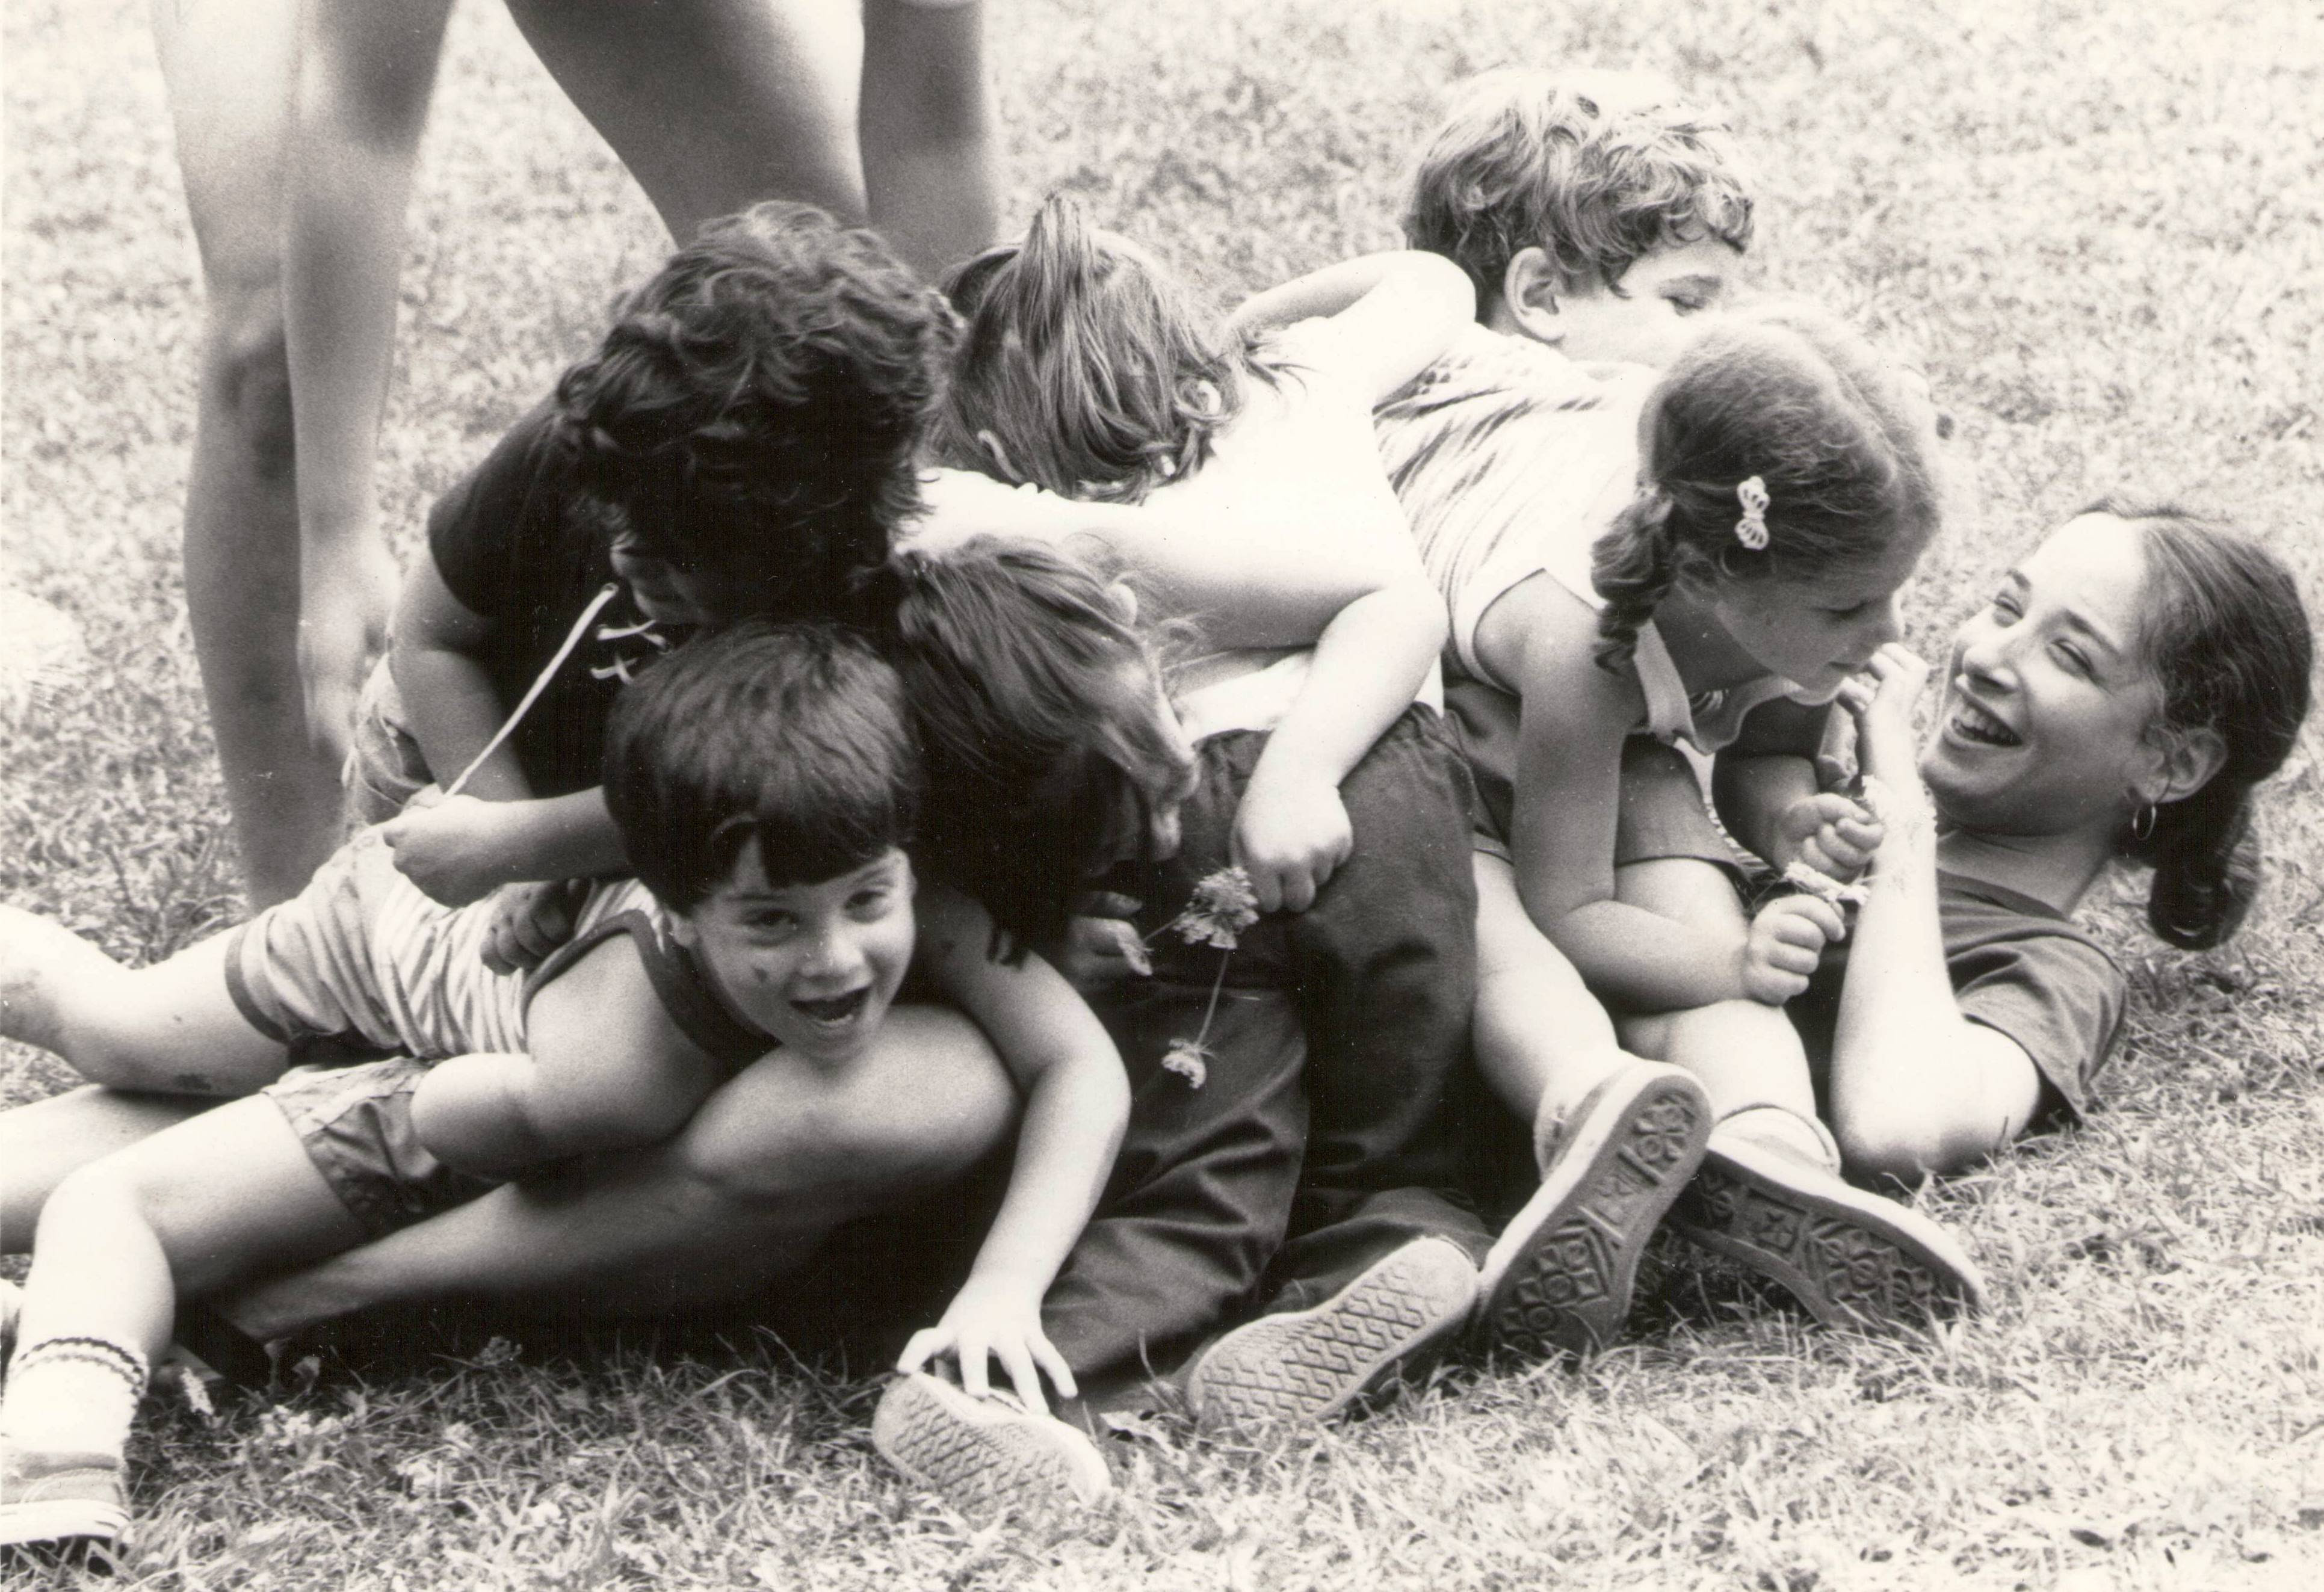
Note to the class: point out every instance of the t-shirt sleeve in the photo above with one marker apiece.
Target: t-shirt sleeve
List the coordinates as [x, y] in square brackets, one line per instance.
[2056, 995]
[477, 529]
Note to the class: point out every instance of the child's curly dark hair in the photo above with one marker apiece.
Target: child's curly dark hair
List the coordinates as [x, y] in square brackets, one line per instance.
[756, 407]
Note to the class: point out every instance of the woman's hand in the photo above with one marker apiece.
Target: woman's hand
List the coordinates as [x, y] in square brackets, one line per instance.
[455, 848]
[993, 1320]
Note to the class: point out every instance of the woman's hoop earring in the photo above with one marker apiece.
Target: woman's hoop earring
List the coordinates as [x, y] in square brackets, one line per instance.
[2142, 824]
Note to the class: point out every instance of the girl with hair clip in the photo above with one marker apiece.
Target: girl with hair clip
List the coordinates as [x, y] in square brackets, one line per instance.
[2130, 683]
[1239, 485]
[1710, 589]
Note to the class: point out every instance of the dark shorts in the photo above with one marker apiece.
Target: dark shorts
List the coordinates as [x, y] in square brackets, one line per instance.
[1665, 812]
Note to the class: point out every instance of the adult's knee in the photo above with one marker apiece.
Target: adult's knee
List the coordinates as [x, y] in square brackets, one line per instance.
[247, 375]
[931, 1102]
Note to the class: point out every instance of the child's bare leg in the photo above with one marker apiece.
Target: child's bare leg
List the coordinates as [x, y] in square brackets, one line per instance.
[715, 104]
[1542, 1039]
[1769, 1194]
[763, 1172]
[191, 1209]
[170, 1028]
[1746, 1052]
[228, 64]
[43, 1143]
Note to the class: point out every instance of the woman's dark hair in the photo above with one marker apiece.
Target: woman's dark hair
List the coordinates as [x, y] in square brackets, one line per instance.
[1785, 394]
[1085, 369]
[1035, 701]
[796, 735]
[2227, 638]
[756, 407]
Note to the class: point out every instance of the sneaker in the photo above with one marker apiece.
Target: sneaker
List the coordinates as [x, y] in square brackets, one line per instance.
[1305, 1366]
[62, 1508]
[1852, 1258]
[983, 1455]
[1561, 1276]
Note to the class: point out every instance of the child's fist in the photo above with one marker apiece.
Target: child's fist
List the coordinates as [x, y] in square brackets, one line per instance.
[1786, 941]
[1290, 835]
[1829, 833]
[454, 848]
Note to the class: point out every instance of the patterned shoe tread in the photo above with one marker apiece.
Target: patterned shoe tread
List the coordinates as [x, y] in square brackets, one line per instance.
[983, 1458]
[1852, 1258]
[1569, 1289]
[1305, 1366]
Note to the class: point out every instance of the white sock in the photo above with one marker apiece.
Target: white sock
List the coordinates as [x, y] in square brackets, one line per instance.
[1780, 1128]
[71, 1395]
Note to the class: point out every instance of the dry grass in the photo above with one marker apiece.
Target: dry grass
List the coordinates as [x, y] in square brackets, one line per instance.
[2104, 229]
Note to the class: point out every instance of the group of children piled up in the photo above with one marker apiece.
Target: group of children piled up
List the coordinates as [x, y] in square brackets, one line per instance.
[1406, 998]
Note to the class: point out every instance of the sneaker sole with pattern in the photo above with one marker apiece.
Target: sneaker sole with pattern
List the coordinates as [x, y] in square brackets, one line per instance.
[1306, 1366]
[983, 1456]
[1562, 1275]
[1852, 1258]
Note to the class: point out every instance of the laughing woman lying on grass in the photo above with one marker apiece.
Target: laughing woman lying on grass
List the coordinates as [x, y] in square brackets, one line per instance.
[2131, 681]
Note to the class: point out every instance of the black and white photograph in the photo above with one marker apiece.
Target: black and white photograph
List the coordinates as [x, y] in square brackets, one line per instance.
[1390, 795]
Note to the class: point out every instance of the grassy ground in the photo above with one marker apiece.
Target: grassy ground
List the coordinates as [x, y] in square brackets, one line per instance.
[2104, 228]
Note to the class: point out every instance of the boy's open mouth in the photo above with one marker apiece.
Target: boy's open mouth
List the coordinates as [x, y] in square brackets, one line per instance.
[836, 1009]
[1973, 722]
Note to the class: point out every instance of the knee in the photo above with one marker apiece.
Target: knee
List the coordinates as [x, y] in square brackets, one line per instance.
[248, 371]
[932, 1103]
[1910, 1152]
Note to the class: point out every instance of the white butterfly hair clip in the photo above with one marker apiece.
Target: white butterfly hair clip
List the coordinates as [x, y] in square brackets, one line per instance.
[1751, 531]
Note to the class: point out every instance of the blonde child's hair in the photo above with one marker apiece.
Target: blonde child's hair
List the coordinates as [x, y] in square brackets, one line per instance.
[1086, 368]
[1779, 445]
[1597, 169]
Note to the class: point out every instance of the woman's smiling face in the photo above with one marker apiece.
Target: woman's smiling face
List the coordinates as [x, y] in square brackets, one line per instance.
[2049, 703]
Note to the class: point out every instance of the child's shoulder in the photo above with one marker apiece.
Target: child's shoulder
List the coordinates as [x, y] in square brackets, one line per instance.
[1486, 363]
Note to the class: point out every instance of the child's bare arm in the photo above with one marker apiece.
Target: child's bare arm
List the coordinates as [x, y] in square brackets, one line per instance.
[608, 1070]
[1291, 831]
[1387, 316]
[460, 848]
[1916, 1086]
[448, 700]
[1575, 718]
[1767, 790]
[1076, 1106]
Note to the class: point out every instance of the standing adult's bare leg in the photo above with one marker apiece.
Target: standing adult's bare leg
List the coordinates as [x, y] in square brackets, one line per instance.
[926, 122]
[712, 104]
[228, 66]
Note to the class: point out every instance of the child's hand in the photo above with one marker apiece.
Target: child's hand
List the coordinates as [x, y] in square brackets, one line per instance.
[1829, 833]
[1291, 834]
[1101, 947]
[454, 848]
[1786, 941]
[530, 921]
[344, 605]
[996, 1321]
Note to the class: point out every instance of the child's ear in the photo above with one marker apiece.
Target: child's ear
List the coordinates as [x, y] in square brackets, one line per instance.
[1530, 292]
[1123, 602]
[2184, 760]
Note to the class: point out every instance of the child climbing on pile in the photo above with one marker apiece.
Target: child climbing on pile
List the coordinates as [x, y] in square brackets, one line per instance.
[766, 783]
[1324, 773]
[1634, 561]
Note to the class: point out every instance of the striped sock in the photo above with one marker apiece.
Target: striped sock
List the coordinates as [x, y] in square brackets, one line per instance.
[73, 1396]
